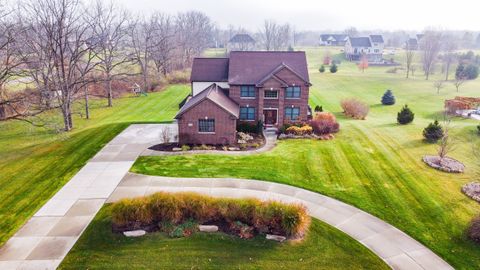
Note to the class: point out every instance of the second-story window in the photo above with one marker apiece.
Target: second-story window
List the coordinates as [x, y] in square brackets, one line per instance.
[271, 94]
[293, 92]
[247, 91]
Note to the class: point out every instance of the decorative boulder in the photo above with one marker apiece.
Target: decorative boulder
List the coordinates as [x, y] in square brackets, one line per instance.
[277, 238]
[472, 190]
[208, 228]
[176, 149]
[136, 233]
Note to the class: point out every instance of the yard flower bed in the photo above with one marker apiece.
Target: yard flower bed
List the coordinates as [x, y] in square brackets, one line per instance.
[322, 127]
[178, 214]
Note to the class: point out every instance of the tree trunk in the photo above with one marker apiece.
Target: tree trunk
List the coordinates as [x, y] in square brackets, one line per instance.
[408, 72]
[87, 108]
[447, 70]
[67, 117]
[108, 86]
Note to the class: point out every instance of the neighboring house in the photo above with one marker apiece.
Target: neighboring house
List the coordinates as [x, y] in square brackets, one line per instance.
[411, 44]
[370, 47]
[272, 87]
[241, 42]
[333, 40]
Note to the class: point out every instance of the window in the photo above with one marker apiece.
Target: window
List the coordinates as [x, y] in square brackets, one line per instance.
[292, 113]
[247, 113]
[247, 91]
[206, 125]
[293, 92]
[271, 94]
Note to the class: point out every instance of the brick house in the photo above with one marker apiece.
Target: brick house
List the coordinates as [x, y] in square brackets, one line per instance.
[272, 87]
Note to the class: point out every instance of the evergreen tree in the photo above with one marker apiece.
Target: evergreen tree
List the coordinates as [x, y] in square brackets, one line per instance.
[318, 108]
[388, 98]
[433, 132]
[405, 116]
[333, 68]
[322, 69]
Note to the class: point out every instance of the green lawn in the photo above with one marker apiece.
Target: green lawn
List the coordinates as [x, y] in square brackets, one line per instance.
[36, 162]
[373, 164]
[323, 248]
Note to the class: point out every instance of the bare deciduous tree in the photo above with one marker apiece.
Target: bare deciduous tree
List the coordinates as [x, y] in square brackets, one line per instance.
[459, 81]
[438, 85]
[430, 46]
[60, 36]
[274, 36]
[445, 144]
[449, 47]
[108, 24]
[409, 57]
[163, 53]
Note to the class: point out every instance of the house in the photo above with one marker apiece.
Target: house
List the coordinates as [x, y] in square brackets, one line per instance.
[370, 47]
[272, 87]
[241, 42]
[333, 40]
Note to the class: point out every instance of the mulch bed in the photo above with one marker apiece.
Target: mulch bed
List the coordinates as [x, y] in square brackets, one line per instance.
[472, 190]
[446, 165]
[257, 142]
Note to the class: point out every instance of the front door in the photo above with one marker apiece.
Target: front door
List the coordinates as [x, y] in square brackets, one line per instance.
[270, 117]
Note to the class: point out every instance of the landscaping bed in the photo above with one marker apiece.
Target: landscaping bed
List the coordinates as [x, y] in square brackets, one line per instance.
[245, 142]
[446, 164]
[472, 190]
[180, 214]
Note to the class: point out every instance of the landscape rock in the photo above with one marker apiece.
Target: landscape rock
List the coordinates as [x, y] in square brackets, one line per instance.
[472, 190]
[277, 238]
[233, 149]
[208, 228]
[176, 149]
[136, 233]
[447, 164]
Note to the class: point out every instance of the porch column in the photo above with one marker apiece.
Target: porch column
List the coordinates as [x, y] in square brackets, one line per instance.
[260, 104]
[281, 106]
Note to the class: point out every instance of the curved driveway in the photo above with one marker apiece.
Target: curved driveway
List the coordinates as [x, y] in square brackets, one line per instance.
[46, 238]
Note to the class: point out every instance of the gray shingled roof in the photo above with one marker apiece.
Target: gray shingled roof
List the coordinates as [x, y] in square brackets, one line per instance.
[360, 42]
[242, 38]
[215, 94]
[209, 70]
[249, 68]
[377, 38]
[337, 37]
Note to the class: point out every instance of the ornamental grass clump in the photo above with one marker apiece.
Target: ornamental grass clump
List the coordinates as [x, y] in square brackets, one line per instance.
[473, 230]
[324, 123]
[169, 212]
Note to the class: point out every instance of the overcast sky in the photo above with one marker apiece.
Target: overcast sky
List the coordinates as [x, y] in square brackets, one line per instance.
[328, 14]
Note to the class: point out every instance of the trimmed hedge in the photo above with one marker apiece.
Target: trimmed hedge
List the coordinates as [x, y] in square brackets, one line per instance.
[272, 217]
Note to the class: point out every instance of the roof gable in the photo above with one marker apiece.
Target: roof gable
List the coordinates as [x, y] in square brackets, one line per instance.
[274, 72]
[215, 94]
[360, 42]
[377, 38]
[242, 38]
[250, 68]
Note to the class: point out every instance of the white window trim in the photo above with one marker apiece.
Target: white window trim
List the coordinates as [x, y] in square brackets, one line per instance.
[264, 97]
[205, 132]
[270, 109]
[245, 120]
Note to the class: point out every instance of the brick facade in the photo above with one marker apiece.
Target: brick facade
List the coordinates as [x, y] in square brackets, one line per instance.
[225, 125]
[260, 102]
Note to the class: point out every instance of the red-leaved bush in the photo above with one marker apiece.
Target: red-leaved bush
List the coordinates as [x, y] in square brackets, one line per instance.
[324, 123]
[355, 108]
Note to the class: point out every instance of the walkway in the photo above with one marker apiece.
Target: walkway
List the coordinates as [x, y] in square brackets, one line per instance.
[46, 238]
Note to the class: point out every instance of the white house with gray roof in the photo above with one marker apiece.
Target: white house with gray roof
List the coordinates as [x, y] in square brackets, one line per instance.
[371, 46]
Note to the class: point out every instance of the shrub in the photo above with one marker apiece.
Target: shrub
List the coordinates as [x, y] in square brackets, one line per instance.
[473, 230]
[405, 116]
[355, 108]
[303, 130]
[186, 147]
[318, 108]
[324, 123]
[246, 127]
[469, 72]
[322, 69]
[388, 98]
[478, 129]
[433, 132]
[333, 68]
[177, 214]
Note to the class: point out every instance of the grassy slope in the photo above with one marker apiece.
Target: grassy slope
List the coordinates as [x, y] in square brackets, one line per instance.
[36, 163]
[324, 247]
[373, 164]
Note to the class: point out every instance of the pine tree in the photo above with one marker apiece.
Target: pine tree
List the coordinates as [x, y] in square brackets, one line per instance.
[405, 116]
[322, 69]
[433, 132]
[318, 108]
[388, 98]
[333, 68]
